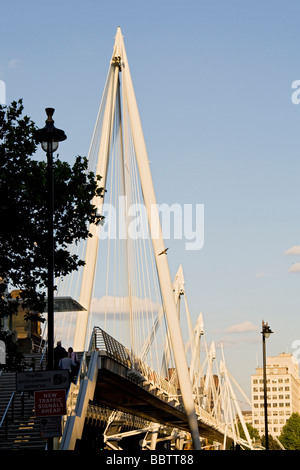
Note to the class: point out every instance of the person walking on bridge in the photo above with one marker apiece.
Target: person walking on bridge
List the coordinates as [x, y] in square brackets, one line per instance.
[67, 363]
[59, 353]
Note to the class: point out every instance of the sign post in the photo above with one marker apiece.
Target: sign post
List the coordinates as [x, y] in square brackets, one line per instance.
[49, 389]
[42, 380]
[50, 426]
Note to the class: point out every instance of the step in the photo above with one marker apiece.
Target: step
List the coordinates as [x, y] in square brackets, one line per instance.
[24, 431]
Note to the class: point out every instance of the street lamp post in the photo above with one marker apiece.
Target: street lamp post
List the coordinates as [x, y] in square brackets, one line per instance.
[266, 331]
[49, 137]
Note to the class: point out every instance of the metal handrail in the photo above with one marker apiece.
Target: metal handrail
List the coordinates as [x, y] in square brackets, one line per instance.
[11, 403]
[7, 408]
[102, 341]
[72, 394]
[5, 415]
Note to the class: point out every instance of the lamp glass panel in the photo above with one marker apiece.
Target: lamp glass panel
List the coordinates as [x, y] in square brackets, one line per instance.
[45, 146]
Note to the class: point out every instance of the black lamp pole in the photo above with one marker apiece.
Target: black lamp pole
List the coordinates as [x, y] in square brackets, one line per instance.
[266, 331]
[49, 137]
[50, 206]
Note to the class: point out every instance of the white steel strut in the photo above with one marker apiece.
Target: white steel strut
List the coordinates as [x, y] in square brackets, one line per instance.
[119, 64]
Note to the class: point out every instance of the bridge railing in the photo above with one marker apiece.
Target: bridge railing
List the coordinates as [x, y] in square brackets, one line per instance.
[102, 341]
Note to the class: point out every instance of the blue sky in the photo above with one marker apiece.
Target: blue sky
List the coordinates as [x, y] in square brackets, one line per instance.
[213, 81]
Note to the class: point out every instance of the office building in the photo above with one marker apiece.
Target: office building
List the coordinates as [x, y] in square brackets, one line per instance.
[283, 397]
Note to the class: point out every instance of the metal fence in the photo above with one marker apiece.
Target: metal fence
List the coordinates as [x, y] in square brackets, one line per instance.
[101, 341]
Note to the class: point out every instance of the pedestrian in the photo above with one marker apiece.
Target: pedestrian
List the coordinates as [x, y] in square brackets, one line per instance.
[59, 353]
[73, 355]
[67, 363]
[75, 368]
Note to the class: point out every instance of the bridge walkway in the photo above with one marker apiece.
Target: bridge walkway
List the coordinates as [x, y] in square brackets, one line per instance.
[117, 380]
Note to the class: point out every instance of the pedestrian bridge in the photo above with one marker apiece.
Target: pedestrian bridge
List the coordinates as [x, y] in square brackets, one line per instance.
[144, 371]
[113, 379]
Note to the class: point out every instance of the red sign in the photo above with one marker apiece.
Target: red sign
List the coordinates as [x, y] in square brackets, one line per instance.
[50, 403]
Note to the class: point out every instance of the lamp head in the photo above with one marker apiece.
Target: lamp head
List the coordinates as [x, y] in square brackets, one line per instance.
[49, 136]
[266, 330]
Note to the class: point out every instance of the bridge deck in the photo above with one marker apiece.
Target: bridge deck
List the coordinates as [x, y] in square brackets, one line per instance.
[117, 387]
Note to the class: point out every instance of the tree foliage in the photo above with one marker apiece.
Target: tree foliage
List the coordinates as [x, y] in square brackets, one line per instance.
[253, 432]
[272, 443]
[23, 211]
[290, 434]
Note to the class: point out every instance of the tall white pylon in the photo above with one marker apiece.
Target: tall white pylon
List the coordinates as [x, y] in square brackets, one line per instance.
[119, 64]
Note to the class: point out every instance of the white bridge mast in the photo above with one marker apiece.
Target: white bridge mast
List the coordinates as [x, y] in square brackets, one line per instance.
[119, 64]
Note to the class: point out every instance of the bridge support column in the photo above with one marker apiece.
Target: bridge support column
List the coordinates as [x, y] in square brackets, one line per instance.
[93, 242]
[154, 434]
[154, 224]
[179, 442]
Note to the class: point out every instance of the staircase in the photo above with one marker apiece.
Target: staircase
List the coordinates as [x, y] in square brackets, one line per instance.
[21, 430]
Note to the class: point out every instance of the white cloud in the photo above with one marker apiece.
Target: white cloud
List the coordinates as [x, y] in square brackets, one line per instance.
[13, 63]
[109, 304]
[294, 250]
[241, 328]
[261, 274]
[295, 268]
